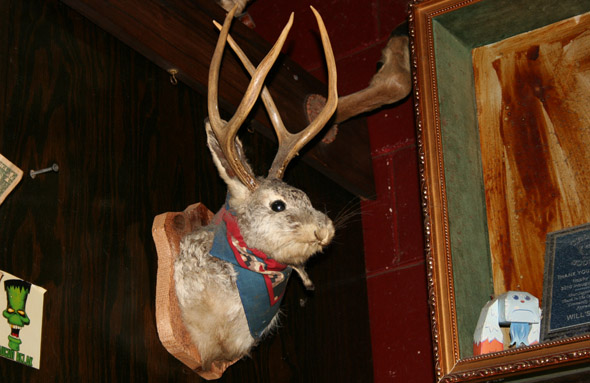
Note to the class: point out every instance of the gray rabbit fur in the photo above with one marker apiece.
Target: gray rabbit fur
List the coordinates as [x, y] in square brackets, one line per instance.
[206, 286]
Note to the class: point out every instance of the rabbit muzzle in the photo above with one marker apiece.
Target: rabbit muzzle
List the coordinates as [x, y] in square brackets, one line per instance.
[324, 236]
[314, 236]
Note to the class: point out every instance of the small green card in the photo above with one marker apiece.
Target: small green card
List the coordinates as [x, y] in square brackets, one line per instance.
[21, 303]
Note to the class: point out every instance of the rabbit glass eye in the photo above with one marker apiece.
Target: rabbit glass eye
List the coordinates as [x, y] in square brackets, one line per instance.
[515, 297]
[278, 206]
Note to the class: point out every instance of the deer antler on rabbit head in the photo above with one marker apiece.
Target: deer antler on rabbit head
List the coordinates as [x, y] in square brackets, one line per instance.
[289, 144]
[300, 231]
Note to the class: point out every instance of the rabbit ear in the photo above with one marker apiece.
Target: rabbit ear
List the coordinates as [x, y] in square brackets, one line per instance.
[235, 186]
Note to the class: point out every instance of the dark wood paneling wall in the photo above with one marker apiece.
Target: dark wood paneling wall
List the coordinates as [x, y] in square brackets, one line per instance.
[130, 146]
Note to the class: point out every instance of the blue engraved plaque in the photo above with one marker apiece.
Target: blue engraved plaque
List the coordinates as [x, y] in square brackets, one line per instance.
[566, 288]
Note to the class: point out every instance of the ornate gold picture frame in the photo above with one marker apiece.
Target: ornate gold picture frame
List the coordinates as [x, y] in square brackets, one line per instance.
[474, 192]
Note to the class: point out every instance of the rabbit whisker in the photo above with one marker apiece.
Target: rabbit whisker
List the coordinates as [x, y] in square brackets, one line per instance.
[351, 210]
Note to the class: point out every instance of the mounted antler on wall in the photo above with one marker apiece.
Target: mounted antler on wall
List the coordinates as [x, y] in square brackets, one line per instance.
[390, 84]
[230, 274]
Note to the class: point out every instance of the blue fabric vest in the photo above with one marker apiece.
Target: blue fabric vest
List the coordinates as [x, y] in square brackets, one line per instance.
[261, 280]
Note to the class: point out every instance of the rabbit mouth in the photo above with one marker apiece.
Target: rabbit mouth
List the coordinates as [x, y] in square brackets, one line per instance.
[309, 244]
[298, 251]
[323, 236]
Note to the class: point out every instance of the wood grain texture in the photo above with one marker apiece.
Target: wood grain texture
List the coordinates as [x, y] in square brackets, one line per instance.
[131, 146]
[532, 92]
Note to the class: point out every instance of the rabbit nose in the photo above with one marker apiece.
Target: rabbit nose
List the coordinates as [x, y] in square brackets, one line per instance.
[323, 236]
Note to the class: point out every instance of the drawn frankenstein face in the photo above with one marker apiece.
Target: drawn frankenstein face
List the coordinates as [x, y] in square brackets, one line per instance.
[17, 292]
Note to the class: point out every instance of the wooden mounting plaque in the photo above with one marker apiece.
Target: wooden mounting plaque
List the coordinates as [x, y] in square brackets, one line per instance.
[167, 231]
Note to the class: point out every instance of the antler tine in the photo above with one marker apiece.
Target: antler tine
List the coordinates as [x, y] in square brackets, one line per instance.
[212, 89]
[290, 144]
[226, 132]
[271, 108]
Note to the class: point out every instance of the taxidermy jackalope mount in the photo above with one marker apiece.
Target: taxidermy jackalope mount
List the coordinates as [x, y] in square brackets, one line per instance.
[221, 278]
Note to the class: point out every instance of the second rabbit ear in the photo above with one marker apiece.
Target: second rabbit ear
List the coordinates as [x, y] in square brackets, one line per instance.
[235, 186]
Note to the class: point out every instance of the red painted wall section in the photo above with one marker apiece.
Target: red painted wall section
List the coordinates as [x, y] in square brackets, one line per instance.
[393, 232]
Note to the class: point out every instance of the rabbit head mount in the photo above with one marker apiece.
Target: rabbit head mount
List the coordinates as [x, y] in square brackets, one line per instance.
[230, 275]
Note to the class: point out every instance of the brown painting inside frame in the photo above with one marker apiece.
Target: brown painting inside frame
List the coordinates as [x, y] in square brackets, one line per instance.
[532, 100]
